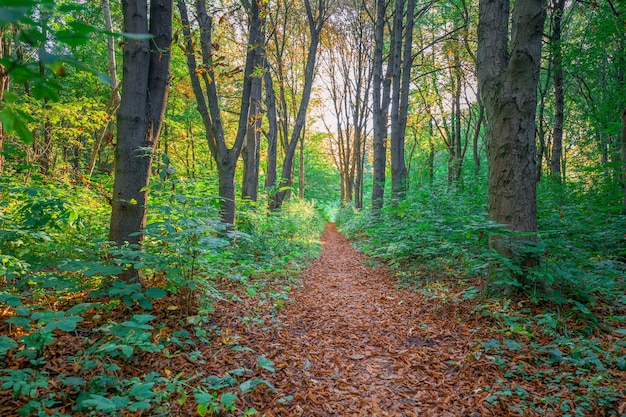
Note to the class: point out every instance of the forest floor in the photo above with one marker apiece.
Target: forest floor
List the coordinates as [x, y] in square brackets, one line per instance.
[347, 341]
[353, 344]
[350, 342]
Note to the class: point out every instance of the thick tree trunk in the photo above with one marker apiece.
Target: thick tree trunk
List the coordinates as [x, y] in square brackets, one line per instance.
[380, 99]
[252, 150]
[226, 178]
[559, 98]
[145, 89]
[396, 138]
[400, 100]
[509, 89]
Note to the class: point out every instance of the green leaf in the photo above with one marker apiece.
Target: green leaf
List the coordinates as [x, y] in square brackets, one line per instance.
[104, 404]
[6, 344]
[74, 381]
[68, 324]
[11, 300]
[512, 345]
[228, 399]
[621, 331]
[155, 293]
[556, 356]
[266, 364]
[143, 318]
[253, 383]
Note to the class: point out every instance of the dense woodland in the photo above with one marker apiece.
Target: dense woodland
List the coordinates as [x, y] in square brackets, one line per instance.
[167, 164]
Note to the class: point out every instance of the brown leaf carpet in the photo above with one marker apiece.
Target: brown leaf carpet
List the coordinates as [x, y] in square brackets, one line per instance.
[353, 345]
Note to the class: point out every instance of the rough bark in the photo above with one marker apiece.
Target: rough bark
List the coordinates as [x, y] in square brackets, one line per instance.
[380, 103]
[508, 82]
[403, 61]
[252, 145]
[145, 85]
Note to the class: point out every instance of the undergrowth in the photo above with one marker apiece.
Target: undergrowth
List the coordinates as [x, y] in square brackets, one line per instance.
[74, 340]
[570, 338]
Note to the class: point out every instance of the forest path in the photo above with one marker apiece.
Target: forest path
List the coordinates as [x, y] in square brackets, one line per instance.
[352, 344]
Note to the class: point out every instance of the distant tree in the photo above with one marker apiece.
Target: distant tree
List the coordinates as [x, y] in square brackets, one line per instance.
[204, 81]
[145, 83]
[508, 62]
[317, 15]
[557, 9]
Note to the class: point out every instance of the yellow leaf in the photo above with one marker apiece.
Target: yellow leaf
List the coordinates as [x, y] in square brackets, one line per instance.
[133, 201]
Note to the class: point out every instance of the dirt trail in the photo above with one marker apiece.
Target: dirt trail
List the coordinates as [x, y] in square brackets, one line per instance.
[353, 345]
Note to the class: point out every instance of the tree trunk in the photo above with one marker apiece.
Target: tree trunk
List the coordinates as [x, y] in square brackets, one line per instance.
[144, 97]
[226, 176]
[316, 24]
[380, 99]
[403, 62]
[208, 100]
[508, 83]
[301, 173]
[252, 149]
[623, 140]
[559, 98]
[114, 101]
[475, 153]
[272, 134]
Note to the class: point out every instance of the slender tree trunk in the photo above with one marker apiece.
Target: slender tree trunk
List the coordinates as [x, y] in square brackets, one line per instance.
[6, 45]
[145, 90]
[559, 98]
[458, 148]
[316, 24]
[272, 134]
[114, 101]
[479, 123]
[301, 173]
[623, 140]
[508, 82]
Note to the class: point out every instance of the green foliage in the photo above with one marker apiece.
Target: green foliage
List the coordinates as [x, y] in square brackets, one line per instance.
[568, 309]
[59, 281]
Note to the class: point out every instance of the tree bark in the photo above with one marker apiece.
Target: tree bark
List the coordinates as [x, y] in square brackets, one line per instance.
[301, 173]
[508, 82]
[144, 96]
[380, 100]
[252, 148]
